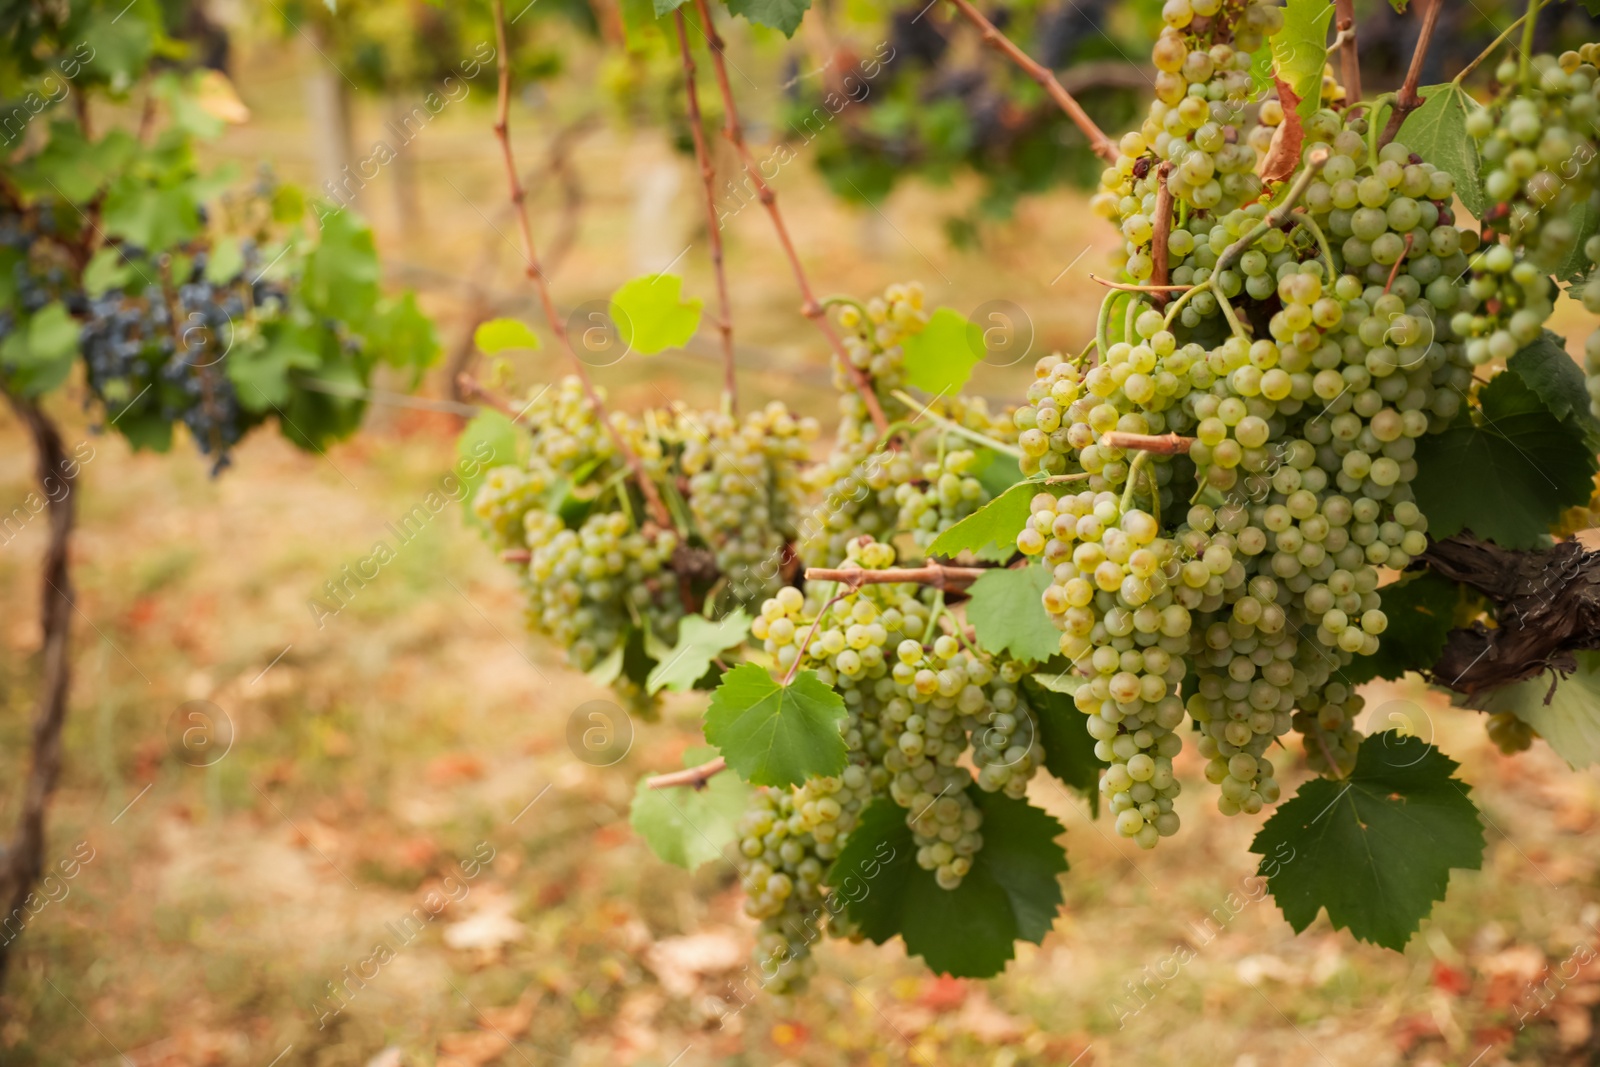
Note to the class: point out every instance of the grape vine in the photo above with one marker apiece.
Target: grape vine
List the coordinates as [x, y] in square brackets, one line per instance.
[1269, 477]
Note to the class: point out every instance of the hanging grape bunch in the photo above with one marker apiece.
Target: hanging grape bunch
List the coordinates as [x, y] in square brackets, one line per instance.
[1249, 493]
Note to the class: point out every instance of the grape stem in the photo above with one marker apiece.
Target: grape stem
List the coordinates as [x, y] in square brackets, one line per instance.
[1274, 218]
[516, 555]
[934, 616]
[535, 272]
[1099, 143]
[1158, 239]
[1349, 59]
[955, 427]
[1167, 444]
[1406, 100]
[708, 179]
[1527, 39]
[1102, 326]
[472, 389]
[937, 575]
[1128, 287]
[1307, 223]
[1394, 271]
[696, 777]
[810, 307]
[800, 649]
[1327, 753]
[1487, 52]
[1136, 468]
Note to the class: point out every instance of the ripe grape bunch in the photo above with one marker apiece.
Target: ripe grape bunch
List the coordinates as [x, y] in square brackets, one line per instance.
[1227, 493]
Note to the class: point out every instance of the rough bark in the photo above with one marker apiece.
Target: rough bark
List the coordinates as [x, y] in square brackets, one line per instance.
[1547, 604]
[22, 861]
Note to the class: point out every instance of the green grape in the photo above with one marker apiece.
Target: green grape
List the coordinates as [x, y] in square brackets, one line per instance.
[745, 492]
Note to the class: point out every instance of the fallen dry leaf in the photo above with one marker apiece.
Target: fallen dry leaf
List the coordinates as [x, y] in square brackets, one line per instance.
[471, 1048]
[512, 1020]
[680, 962]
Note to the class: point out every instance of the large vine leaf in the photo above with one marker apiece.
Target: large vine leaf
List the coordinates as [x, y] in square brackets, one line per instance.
[1585, 219]
[1420, 609]
[1064, 736]
[342, 275]
[39, 357]
[688, 827]
[940, 358]
[1545, 367]
[1570, 722]
[1507, 477]
[1012, 892]
[1437, 131]
[699, 642]
[1008, 615]
[781, 15]
[1376, 850]
[1300, 51]
[990, 533]
[651, 314]
[775, 734]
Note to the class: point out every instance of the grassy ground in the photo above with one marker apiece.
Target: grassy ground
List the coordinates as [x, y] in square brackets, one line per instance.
[415, 744]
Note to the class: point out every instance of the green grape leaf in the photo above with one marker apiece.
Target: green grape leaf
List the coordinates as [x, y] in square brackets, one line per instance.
[990, 533]
[1064, 736]
[1508, 479]
[995, 471]
[1545, 367]
[122, 46]
[1593, 7]
[1011, 893]
[341, 277]
[1585, 219]
[71, 167]
[1300, 51]
[651, 314]
[1570, 723]
[1399, 6]
[775, 734]
[1008, 616]
[663, 8]
[490, 440]
[260, 371]
[403, 337]
[225, 261]
[688, 827]
[781, 15]
[699, 642]
[1420, 609]
[107, 269]
[940, 359]
[153, 217]
[1376, 850]
[498, 335]
[40, 358]
[1437, 131]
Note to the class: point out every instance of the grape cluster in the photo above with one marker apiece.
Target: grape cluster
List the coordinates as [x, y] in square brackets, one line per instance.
[947, 493]
[745, 491]
[874, 333]
[588, 586]
[853, 494]
[1200, 134]
[781, 871]
[1303, 359]
[505, 498]
[1537, 145]
[1124, 626]
[160, 352]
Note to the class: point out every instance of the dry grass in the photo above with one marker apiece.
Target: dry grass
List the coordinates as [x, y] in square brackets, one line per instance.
[379, 753]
